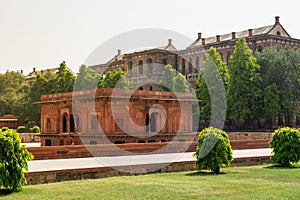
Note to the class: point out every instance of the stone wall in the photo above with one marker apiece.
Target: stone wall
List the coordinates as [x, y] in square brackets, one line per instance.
[78, 174]
[29, 137]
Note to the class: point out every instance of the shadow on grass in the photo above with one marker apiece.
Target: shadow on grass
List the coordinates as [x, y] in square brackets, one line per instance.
[277, 166]
[5, 192]
[204, 173]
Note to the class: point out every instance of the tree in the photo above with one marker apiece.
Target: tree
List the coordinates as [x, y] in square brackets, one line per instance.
[12, 88]
[180, 84]
[87, 79]
[166, 82]
[213, 150]
[280, 73]
[115, 79]
[285, 146]
[13, 161]
[215, 71]
[24, 109]
[64, 81]
[244, 88]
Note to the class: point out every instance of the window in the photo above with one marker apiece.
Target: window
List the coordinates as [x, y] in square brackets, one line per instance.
[71, 123]
[183, 66]
[141, 70]
[48, 142]
[164, 61]
[228, 57]
[65, 120]
[149, 66]
[278, 33]
[48, 125]
[198, 63]
[130, 68]
[190, 66]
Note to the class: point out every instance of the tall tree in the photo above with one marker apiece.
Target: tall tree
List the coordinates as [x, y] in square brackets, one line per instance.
[115, 79]
[12, 87]
[87, 79]
[180, 84]
[244, 89]
[166, 82]
[280, 80]
[64, 80]
[214, 71]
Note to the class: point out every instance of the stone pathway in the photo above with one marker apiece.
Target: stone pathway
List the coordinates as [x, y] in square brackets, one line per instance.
[95, 162]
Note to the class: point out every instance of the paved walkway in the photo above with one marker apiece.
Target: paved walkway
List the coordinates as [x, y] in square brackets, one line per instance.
[95, 162]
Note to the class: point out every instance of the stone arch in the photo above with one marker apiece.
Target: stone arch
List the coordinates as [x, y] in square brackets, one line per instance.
[72, 124]
[65, 123]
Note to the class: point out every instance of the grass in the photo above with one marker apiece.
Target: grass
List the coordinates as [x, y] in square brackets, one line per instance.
[256, 182]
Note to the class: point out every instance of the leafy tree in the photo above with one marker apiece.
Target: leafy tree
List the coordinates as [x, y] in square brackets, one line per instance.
[166, 82]
[285, 146]
[115, 79]
[13, 161]
[213, 69]
[213, 150]
[244, 88]
[180, 84]
[281, 68]
[271, 97]
[87, 79]
[64, 81]
[12, 87]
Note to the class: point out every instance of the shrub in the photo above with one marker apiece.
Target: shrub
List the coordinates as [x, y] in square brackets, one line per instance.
[285, 146]
[213, 150]
[22, 129]
[13, 161]
[35, 129]
[4, 129]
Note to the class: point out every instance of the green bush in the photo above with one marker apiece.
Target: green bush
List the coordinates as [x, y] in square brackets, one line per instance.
[35, 129]
[4, 129]
[213, 150]
[285, 146]
[22, 129]
[13, 161]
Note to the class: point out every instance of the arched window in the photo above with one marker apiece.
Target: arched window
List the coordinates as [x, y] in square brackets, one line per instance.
[228, 57]
[164, 61]
[65, 121]
[150, 88]
[48, 142]
[259, 48]
[141, 88]
[141, 70]
[72, 123]
[130, 68]
[183, 66]
[149, 66]
[278, 33]
[190, 66]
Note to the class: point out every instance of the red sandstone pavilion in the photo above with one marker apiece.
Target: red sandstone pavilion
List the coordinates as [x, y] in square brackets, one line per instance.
[104, 116]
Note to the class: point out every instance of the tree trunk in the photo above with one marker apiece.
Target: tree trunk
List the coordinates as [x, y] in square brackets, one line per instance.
[217, 171]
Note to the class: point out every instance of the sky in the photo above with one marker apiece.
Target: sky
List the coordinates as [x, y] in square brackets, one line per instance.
[42, 34]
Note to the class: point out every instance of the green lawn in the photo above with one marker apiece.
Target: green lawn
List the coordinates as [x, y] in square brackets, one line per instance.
[257, 182]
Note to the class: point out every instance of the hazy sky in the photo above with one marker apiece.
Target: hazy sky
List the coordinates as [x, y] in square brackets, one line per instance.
[42, 33]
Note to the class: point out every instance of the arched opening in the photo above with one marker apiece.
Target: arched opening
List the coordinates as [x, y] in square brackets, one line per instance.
[183, 66]
[65, 121]
[48, 142]
[119, 142]
[151, 141]
[141, 141]
[259, 48]
[153, 122]
[190, 66]
[72, 125]
[150, 88]
[278, 33]
[130, 68]
[141, 88]
[147, 122]
[164, 61]
[149, 66]
[162, 141]
[141, 70]
[228, 57]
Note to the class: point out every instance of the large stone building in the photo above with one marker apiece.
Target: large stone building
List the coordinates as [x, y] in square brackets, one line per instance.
[115, 116]
[188, 61]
